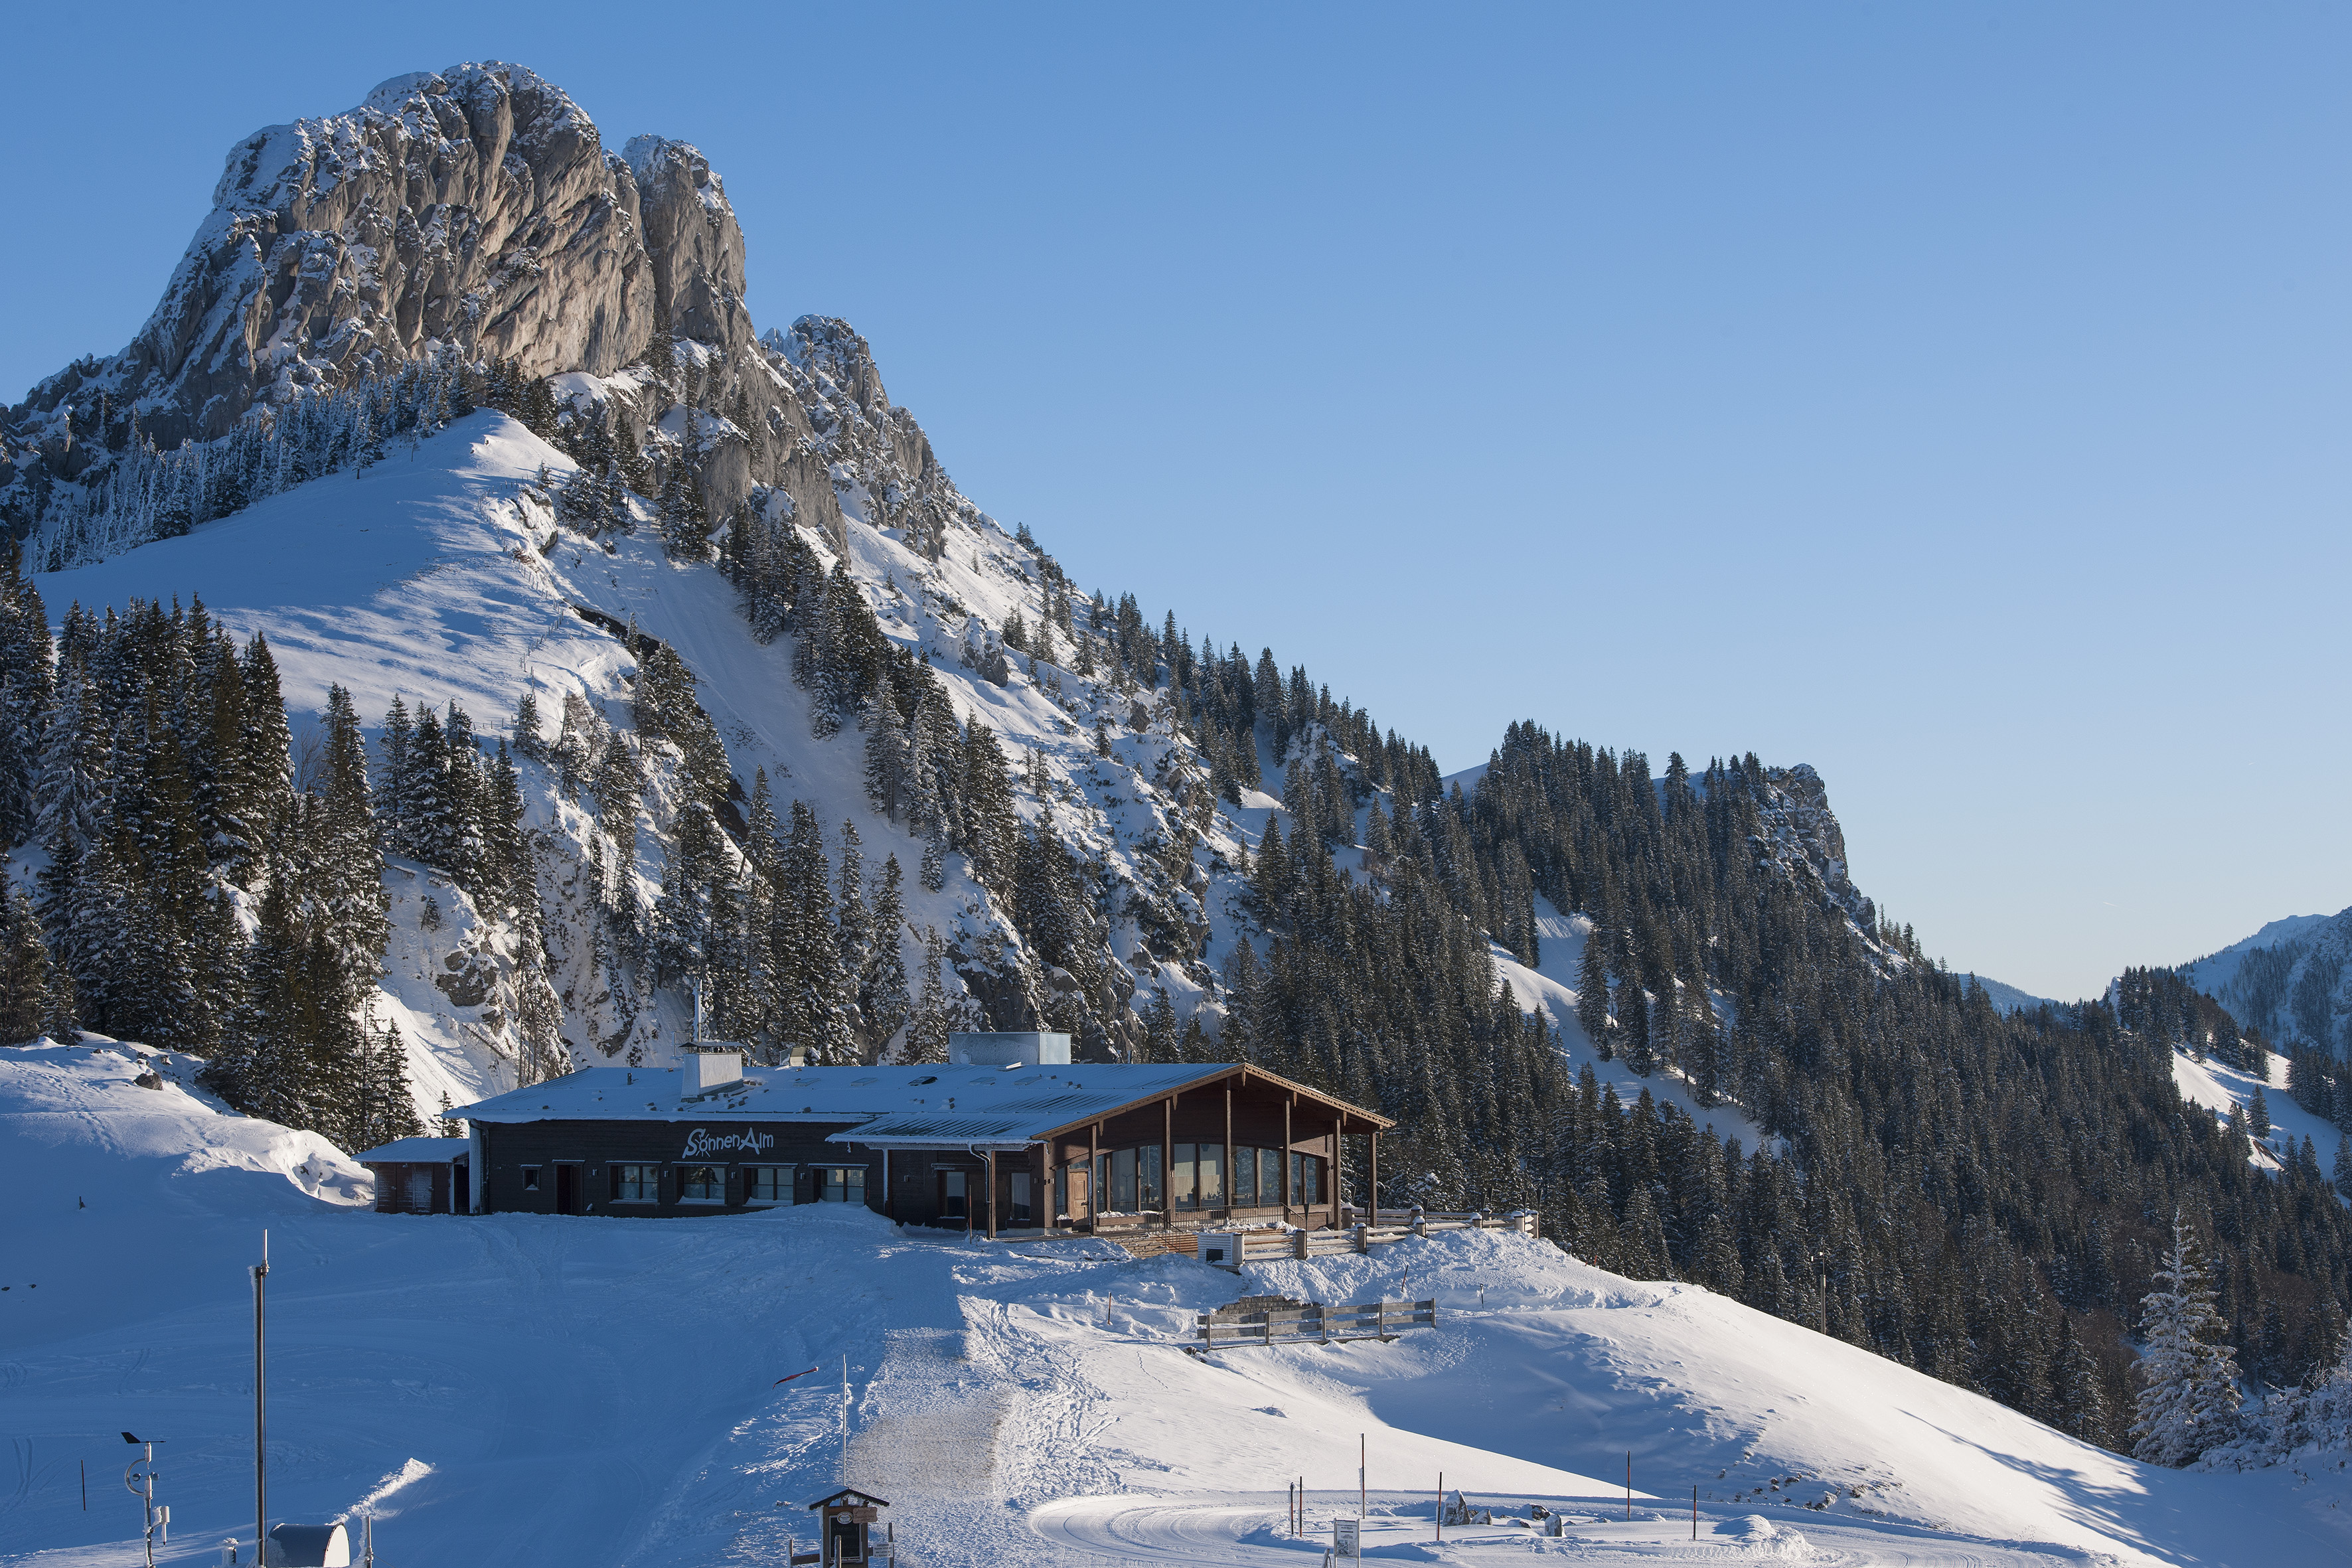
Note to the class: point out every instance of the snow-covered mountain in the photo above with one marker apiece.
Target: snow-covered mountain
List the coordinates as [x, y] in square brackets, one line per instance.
[2292, 979]
[528, 1388]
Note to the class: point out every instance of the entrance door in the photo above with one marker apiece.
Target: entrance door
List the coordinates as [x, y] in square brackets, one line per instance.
[567, 1189]
[1022, 1214]
[951, 1196]
[1073, 1191]
[420, 1189]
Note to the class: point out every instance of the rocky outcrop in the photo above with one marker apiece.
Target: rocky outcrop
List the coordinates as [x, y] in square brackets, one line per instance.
[475, 207]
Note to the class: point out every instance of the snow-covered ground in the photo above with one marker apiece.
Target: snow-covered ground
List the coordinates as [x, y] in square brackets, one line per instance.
[534, 1389]
[2216, 1086]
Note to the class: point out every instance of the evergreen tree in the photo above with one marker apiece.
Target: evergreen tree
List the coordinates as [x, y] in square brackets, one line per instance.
[2189, 1395]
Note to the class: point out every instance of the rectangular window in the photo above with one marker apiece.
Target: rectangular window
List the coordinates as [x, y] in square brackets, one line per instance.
[842, 1184]
[952, 1194]
[767, 1183]
[1244, 1178]
[1024, 1209]
[1182, 1193]
[1212, 1175]
[701, 1184]
[1269, 1178]
[1311, 1180]
[1122, 1182]
[530, 1178]
[1147, 1160]
[637, 1184]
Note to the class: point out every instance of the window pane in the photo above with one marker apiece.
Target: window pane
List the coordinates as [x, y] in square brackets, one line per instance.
[1020, 1202]
[1244, 1178]
[1212, 1175]
[1312, 1179]
[700, 1183]
[1269, 1177]
[1122, 1182]
[952, 1194]
[1181, 1192]
[1148, 1178]
[530, 1178]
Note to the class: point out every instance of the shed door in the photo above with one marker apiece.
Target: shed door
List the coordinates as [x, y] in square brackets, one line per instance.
[420, 1189]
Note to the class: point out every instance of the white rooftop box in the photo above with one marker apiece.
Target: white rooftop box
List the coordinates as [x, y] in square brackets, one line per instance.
[1009, 1049]
[708, 1066]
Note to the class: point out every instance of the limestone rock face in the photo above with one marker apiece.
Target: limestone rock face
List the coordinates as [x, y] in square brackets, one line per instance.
[475, 207]
[695, 243]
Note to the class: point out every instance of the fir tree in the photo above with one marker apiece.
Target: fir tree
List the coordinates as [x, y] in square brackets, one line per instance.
[2189, 1395]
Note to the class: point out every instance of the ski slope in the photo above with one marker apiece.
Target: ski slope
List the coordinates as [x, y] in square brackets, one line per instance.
[535, 1389]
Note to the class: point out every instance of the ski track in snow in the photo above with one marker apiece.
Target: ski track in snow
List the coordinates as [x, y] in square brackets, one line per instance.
[599, 1391]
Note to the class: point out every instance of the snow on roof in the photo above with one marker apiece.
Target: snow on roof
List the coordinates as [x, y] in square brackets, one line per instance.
[945, 1106]
[413, 1152]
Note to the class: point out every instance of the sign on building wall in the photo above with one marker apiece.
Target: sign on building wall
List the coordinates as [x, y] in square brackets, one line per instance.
[703, 1144]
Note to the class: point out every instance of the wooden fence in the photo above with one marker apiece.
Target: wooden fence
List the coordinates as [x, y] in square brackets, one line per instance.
[1266, 1246]
[1316, 1323]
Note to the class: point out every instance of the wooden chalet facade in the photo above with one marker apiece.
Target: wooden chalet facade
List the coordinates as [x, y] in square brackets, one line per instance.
[1021, 1145]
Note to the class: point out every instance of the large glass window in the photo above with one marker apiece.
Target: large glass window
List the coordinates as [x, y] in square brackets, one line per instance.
[1212, 1175]
[1306, 1180]
[842, 1184]
[637, 1184]
[1181, 1168]
[1244, 1178]
[768, 1184]
[701, 1184]
[1024, 1208]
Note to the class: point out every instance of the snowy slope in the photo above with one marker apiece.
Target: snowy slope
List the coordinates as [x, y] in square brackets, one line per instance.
[440, 575]
[2213, 973]
[522, 1388]
[1551, 988]
[2006, 998]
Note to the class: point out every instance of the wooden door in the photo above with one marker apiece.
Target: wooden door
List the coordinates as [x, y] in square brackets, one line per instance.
[420, 1189]
[1078, 1183]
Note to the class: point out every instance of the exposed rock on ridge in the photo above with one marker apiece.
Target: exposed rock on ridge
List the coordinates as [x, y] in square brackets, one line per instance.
[475, 208]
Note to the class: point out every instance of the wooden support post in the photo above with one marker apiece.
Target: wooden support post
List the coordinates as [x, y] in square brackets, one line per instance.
[1287, 1102]
[1167, 1163]
[1331, 1172]
[889, 1193]
[1228, 1175]
[1094, 1179]
[988, 1165]
[1372, 1198]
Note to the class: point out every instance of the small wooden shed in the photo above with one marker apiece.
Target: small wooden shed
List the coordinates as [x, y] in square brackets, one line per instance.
[849, 1517]
[420, 1175]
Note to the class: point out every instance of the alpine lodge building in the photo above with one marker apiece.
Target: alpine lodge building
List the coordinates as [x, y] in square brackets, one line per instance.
[1009, 1135]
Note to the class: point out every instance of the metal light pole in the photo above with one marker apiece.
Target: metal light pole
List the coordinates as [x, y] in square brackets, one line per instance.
[139, 1478]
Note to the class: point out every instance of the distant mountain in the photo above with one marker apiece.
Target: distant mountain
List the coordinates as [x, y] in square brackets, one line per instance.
[2292, 979]
[2008, 998]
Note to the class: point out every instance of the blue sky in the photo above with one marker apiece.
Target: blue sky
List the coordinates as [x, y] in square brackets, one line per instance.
[1954, 398]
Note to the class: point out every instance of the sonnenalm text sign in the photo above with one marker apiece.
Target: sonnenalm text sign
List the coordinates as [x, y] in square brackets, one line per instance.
[702, 1145]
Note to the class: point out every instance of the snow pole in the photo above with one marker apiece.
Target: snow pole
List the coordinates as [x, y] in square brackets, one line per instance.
[1360, 1452]
[1694, 1513]
[1628, 1486]
[1441, 1505]
[260, 1405]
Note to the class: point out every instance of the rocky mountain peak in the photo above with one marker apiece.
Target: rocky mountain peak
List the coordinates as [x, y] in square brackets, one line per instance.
[475, 207]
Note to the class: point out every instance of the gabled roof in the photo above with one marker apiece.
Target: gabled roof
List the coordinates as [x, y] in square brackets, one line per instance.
[905, 1107]
[852, 1497]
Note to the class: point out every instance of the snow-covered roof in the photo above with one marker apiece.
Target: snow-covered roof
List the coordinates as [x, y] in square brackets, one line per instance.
[907, 1107]
[413, 1152]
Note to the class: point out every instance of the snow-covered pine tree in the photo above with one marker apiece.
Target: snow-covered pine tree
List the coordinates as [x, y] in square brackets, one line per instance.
[2188, 1393]
[882, 984]
[24, 968]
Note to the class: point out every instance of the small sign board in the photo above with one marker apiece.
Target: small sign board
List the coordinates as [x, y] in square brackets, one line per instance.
[1346, 1540]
